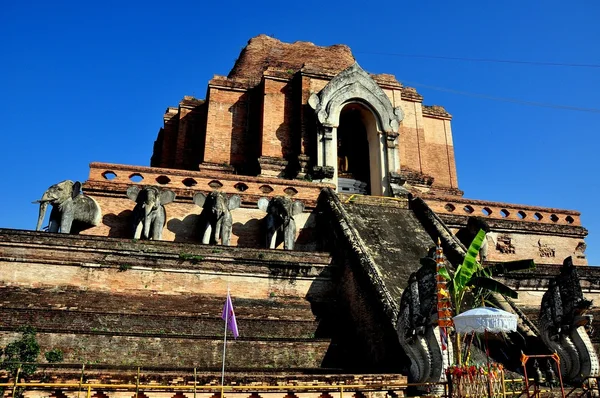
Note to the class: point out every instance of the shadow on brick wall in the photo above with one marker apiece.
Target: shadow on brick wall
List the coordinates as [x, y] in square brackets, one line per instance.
[119, 226]
[186, 230]
[250, 233]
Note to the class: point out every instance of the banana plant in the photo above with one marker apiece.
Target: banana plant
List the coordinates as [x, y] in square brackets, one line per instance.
[471, 274]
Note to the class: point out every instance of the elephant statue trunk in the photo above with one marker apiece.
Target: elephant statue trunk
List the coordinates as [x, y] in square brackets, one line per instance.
[43, 208]
[149, 206]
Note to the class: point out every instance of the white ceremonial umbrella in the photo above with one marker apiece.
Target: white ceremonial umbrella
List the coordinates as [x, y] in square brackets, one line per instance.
[485, 319]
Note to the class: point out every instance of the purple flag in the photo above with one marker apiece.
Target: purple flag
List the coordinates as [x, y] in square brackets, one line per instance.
[229, 316]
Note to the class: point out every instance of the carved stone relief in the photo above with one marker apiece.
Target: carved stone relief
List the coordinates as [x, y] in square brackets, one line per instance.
[580, 250]
[546, 250]
[355, 83]
[504, 245]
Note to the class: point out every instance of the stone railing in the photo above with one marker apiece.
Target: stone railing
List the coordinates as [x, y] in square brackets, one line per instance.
[109, 176]
[503, 211]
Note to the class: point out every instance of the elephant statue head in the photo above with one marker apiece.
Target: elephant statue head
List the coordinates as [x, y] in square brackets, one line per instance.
[149, 216]
[279, 221]
[72, 211]
[215, 219]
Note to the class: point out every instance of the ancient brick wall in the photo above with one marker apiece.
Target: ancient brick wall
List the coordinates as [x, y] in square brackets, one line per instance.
[192, 133]
[165, 145]
[277, 137]
[437, 152]
[411, 136]
[183, 215]
[160, 351]
[545, 235]
[226, 124]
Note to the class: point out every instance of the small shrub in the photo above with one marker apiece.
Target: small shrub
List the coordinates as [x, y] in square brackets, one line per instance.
[55, 355]
[124, 267]
[193, 258]
[26, 349]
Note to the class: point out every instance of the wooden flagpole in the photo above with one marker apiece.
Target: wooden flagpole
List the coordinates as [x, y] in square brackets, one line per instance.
[225, 343]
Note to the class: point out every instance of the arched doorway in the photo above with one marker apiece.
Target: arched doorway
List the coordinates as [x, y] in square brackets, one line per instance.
[354, 106]
[358, 151]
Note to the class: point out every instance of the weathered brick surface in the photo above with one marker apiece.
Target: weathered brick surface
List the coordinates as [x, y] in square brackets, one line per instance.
[159, 267]
[411, 131]
[264, 51]
[117, 301]
[164, 351]
[426, 146]
[277, 129]
[438, 160]
[226, 120]
[505, 211]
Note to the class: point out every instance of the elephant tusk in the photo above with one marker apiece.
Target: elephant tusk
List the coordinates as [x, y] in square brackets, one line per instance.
[42, 201]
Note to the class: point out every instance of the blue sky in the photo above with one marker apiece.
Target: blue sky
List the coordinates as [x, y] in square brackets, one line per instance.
[83, 82]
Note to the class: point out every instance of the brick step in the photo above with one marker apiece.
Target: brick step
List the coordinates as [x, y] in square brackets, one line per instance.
[101, 245]
[70, 298]
[121, 266]
[169, 352]
[154, 324]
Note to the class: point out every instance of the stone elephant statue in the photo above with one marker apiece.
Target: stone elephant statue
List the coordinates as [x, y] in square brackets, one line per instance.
[216, 221]
[72, 211]
[279, 221]
[149, 215]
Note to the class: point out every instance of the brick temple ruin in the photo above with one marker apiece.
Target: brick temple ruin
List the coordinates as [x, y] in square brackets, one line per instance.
[374, 169]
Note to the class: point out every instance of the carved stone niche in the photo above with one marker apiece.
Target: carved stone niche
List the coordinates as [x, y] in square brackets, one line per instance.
[504, 245]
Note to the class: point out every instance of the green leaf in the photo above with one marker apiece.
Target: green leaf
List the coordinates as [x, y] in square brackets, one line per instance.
[470, 265]
[494, 286]
[444, 273]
